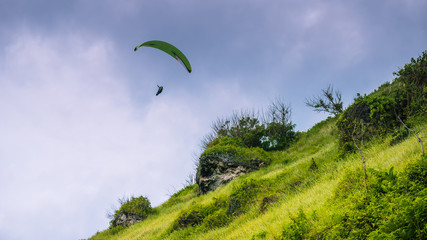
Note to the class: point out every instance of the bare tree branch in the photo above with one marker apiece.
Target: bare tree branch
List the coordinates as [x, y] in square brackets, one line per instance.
[360, 137]
[327, 102]
[415, 132]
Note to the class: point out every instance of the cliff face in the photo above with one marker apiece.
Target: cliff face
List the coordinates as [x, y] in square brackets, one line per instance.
[218, 169]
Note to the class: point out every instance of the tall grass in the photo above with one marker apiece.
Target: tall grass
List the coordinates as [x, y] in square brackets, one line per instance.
[296, 189]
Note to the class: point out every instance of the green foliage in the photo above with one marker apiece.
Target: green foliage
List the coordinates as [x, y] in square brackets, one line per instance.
[405, 97]
[245, 194]
[396, 209]
[260, 235]
[234, 146]
[277, 136]
[413, 79]
[327, 202]
[207, 217]
[217, 219]
[327, 102]
[351, 183]
[272, 131]
[140, 206]
[417, 175]
[299, 228]
[399, 135]
[378, 111]
[222, 211]
[136, 206]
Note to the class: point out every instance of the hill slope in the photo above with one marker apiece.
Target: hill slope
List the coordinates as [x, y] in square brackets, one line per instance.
[310, 190]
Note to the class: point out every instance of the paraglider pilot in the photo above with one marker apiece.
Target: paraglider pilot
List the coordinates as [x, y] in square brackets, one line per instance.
[159, 90]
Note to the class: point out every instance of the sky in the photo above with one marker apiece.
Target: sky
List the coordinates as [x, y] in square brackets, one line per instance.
[81, 127]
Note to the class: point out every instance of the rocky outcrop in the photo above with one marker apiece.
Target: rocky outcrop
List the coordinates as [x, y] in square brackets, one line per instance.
[126, 219]
[218, 169]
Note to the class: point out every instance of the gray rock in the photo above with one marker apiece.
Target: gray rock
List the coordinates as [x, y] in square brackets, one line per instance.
[216, 170]
[126, 219]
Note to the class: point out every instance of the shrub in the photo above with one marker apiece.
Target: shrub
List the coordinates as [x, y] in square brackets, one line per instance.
[133, 209]
[270, 131]
[233, 146]
[140, 206]
[206, 216]
[413, 79]
[299, 228]
[217, 219]
[405, 97]
[396, 208]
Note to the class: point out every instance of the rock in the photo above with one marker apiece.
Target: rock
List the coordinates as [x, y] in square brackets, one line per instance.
[126, 219]
[216, 170]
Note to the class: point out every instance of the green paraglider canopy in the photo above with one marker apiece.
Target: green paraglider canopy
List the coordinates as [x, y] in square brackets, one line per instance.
[169, 49]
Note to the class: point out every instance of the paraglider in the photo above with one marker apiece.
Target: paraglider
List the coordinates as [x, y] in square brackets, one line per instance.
[159, 90]
[169, 49]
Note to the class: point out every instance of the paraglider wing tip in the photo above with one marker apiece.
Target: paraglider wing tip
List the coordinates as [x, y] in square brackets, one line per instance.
[136, 48]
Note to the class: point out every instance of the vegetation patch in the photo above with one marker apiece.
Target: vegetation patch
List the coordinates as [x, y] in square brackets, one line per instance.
[395, 209]
[387, 108]
[318, 186]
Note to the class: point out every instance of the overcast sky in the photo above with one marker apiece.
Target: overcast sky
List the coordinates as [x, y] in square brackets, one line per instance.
[80, 125]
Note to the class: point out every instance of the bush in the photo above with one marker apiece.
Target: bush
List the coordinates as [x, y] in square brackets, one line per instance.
[406, 97]
[206, 216]
[140, 206]
[299, 228]
[378, 111]
[134, 209]
[395, 209]
[243, 195]
[234, 147]
[270, 131]
[413, 79]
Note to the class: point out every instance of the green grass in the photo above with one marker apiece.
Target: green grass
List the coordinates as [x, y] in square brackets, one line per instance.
[322, 195]
[314, 189]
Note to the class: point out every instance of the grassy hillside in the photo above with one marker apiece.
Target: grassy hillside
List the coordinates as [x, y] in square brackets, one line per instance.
[311, 190]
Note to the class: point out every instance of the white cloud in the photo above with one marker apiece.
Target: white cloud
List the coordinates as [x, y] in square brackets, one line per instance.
[72, 141]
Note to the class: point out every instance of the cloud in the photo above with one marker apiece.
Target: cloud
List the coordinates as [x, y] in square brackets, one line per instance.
[73, 141]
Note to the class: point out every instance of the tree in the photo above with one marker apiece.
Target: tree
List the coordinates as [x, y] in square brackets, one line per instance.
[329, 102]
[415, 133]
[358, 137]
[278, 126]
[271, 130]
[413, 79]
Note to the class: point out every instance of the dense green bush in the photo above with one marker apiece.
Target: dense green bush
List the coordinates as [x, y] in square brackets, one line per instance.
[413, 79]
[137, 207]
[395, 209]
[235, 147]
[206, 216]
[379, 111]
[299, 228]
[270, 131]
[140, 206]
